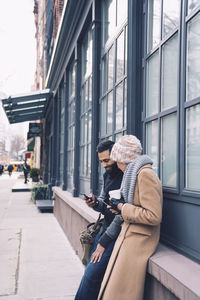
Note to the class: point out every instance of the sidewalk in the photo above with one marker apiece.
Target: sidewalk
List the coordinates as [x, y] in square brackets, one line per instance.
[36, 260]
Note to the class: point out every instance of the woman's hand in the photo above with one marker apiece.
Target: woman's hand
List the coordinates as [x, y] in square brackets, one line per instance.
[115, 205]
[116, 212]
[97, 254]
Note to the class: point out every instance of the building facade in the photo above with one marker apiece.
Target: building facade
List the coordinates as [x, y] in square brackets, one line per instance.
[125, 67]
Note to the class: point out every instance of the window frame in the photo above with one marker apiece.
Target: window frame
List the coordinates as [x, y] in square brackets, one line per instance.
[179, 193]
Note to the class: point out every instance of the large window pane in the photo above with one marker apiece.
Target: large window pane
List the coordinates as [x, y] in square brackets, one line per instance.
[170, 73]
[171, 15]
[120, 56]
[119, 106]
[152, 89]
[72, 81]
[169, 150]
[109, 19]
[192, 4]
[125, 103]
[193, 148]
[89, 126]
[89, 160]
[121, 11]
[110, 67]
[193, 61]
[153, 27]
[103, 116]
[152, 142]
[110, 113]
[104, 76]
[90, 92]
[126, 52]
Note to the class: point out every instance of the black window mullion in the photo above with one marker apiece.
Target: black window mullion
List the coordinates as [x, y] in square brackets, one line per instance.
[182, 99]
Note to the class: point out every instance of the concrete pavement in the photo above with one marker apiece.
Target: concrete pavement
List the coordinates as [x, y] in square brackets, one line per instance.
[36, 260]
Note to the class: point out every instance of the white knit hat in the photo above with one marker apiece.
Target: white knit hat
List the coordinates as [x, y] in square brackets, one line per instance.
[126, 149]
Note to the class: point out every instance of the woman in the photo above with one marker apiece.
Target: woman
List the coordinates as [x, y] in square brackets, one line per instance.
[141, 212]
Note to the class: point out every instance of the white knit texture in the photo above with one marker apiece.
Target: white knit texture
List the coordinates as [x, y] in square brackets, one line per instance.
[126, 149]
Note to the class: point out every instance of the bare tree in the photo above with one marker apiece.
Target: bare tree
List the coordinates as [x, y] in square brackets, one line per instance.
[17, 144]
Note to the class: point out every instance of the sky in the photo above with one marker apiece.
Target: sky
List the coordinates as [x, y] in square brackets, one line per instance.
[17, 51]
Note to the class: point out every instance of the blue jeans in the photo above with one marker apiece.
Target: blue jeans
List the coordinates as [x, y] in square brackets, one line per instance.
[93, 276]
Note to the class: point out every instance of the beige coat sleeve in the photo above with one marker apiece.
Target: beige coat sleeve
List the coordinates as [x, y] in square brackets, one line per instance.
[148, 209]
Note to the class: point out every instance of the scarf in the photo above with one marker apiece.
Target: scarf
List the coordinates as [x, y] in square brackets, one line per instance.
[130, 177]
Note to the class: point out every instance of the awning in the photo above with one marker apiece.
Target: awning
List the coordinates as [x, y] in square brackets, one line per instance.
[26, 107]
[31, 144]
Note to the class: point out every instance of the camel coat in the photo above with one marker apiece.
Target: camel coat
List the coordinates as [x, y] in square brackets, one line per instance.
[126, 271]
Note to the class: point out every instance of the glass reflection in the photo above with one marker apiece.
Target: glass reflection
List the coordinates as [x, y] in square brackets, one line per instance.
[121, 11]
[103, 116]
[170, 73]
[152, 142]
[169, 150]
[109, 18]
[119, 106]
[89, 125]
[171, 15]
[152, 90]
[193, 61]
[110, 67]
[104, 74]
[125, 102]
[154, 24]
[110, 113]
[120, 56]
[193, 147]
[192, 5]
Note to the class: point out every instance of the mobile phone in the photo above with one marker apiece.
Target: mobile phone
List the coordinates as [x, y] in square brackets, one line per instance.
[87, 197]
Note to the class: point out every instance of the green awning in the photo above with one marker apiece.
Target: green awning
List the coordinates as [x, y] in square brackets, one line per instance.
[31, 145]
[26, 107]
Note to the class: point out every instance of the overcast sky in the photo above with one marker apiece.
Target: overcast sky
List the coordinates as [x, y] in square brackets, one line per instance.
[17, 47]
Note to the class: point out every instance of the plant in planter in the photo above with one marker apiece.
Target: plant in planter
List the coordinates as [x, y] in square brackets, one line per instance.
[34, 174]
[40, 192]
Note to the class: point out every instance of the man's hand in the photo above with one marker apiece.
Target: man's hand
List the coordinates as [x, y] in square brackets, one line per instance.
[91, 201]
[97, 254]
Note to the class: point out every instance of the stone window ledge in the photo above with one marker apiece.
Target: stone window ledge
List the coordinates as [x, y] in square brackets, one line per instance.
[177, 273]
[77, 204]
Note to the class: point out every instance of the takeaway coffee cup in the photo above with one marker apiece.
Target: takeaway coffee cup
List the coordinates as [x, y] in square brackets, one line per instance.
[115, 194]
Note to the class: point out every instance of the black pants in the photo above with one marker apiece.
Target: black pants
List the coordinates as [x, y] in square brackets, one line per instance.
[25, 177]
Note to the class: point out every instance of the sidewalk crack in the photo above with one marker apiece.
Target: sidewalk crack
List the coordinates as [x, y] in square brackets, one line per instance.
[18, 261]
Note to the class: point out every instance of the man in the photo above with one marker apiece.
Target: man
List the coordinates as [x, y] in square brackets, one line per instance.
[26, 169]
[10, 169]
[1, 169]
[104, 241]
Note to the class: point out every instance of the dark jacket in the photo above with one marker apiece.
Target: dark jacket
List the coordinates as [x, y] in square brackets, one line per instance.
[10, 168]
[111, 181]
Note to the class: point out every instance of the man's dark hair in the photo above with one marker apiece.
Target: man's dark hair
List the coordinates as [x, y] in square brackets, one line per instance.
[105, 145]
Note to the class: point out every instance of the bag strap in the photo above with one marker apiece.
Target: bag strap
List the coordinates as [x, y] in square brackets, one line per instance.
[97, 221]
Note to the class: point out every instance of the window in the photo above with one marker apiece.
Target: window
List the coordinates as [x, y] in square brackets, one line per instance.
[71, 119]
[192, 5]
[193, 61]
[161, 22]
[114, 15]
[162, 82]
[193, 147]
[113, 69]
[86, 106]
[62, 127]
[167, 96]
[192, 103]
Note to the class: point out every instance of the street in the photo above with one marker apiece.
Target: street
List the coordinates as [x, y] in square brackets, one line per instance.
[36, 260]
